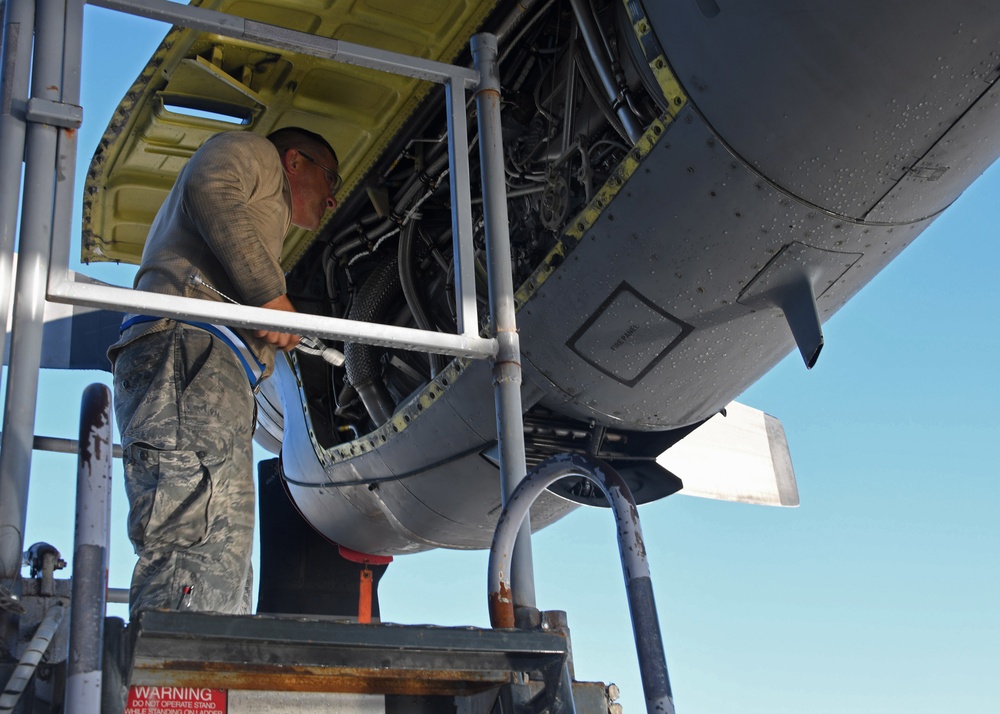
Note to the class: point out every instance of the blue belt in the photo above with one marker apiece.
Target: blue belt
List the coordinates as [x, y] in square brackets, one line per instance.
[253, 367]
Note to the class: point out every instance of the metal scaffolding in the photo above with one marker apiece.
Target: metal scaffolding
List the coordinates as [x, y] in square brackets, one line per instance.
[41, 124]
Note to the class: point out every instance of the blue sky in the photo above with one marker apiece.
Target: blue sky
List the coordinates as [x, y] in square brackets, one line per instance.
[878, 594]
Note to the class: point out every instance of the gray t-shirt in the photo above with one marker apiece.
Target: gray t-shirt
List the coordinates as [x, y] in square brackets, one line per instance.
[225, 221]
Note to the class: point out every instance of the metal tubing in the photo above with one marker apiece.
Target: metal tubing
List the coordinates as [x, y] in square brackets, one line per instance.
[92, 543]
[461, 212]
[596, 46]
[301, 42]
[29, 298]
[507, 364]
[31, 658]
[63, 288]
[57, 445]
[514, 19]
[63, 216]
[638, 585]
[569, 101]
[15, 65]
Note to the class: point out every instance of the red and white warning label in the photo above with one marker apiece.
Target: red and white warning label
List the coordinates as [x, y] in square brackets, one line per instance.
[179, 700]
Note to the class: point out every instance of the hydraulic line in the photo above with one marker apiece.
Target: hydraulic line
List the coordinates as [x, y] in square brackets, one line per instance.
[596, 46]
[31, 658]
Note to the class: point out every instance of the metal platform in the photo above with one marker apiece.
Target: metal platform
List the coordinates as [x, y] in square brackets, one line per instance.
[285, 653]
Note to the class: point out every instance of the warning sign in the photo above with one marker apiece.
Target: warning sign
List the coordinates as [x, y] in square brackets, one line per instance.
[178, 700]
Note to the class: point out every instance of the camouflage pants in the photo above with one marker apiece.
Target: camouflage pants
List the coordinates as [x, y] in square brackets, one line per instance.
[185, 412]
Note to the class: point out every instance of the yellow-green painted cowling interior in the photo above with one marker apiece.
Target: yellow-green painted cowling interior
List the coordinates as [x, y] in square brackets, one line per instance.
[153, 133]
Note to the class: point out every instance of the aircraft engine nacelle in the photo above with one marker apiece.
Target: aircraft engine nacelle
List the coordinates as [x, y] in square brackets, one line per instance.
[784, 155]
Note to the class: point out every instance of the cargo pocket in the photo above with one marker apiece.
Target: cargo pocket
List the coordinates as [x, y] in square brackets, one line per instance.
[144, 390]
[169, 495]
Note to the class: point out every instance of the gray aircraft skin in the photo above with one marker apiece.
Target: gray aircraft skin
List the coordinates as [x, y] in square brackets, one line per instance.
[752, 168]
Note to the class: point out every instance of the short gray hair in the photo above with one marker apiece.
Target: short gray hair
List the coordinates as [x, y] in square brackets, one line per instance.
[294, 137]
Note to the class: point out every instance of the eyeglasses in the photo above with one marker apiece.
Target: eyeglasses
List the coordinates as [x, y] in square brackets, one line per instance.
[332, 176]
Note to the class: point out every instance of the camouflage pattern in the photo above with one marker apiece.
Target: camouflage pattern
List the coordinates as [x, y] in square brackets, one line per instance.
[186, 414]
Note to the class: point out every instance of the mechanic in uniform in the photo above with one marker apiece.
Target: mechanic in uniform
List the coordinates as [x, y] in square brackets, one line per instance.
[184, 390]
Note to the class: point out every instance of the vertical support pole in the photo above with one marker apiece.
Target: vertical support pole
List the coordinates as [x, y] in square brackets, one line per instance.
[92, 537]
[29, 301]
[15, 65]
[461, 210]
[63, 213]
[507, 365]
[90, 553]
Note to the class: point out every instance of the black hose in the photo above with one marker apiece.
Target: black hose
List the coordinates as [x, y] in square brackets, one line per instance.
[363, 362]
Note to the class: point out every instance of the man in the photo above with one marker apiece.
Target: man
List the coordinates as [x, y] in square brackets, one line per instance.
[184, 390]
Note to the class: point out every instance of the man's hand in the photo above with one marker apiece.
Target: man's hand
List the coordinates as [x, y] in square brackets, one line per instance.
[282, 340]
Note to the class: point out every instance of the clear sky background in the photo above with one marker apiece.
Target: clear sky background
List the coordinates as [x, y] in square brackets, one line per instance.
[878, 594]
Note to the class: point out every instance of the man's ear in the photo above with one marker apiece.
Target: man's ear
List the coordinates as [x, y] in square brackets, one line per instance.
[291, 160]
